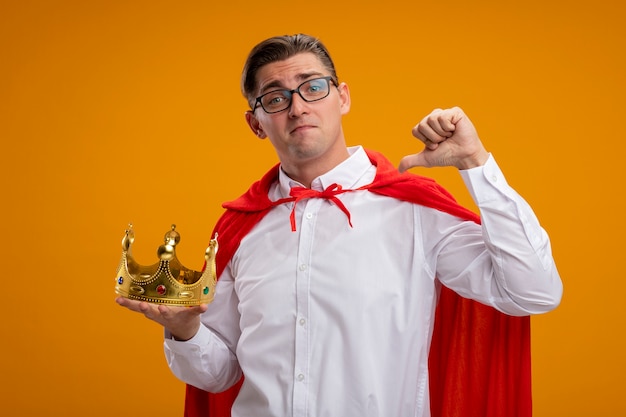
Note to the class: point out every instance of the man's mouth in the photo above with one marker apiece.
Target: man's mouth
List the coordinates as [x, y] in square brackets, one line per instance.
[302, 128]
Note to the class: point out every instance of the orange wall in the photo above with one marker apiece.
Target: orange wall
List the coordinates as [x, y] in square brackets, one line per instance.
[118, 111]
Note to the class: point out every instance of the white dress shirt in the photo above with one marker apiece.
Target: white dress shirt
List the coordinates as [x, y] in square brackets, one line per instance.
[336, 321]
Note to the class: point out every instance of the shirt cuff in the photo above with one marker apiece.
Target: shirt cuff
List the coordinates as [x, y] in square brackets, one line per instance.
[486, 182]
[201, 338]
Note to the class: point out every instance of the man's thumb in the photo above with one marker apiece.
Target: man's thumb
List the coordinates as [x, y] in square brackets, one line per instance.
[412, 161]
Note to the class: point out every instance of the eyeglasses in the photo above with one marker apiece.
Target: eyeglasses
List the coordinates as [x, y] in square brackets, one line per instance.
[279, 100]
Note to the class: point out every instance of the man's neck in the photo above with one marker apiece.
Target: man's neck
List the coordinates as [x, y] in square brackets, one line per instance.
[306, 172]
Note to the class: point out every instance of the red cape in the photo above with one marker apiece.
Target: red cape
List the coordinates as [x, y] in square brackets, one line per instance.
[479, 362]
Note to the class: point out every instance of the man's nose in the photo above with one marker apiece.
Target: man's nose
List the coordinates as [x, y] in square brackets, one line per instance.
[298, 105]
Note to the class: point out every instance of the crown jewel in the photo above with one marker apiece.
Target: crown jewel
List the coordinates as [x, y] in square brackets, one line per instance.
[167, 281]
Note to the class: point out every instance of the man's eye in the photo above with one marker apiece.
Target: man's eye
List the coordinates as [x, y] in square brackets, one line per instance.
[274, 99]
[314, 87]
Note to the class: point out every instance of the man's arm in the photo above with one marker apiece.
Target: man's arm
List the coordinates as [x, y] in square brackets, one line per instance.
[507, 262]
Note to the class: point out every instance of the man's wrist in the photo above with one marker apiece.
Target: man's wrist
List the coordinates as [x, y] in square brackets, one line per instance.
[474, 161]
[185, 335]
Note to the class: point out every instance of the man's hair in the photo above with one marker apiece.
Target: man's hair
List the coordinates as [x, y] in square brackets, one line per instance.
[280, 48]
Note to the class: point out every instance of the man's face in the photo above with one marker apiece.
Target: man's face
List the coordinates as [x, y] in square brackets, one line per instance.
[307, 132]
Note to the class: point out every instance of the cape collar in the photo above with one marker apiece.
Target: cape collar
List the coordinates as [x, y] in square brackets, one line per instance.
[388, 182]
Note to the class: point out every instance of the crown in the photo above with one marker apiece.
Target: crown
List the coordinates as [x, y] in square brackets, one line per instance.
[167, 281]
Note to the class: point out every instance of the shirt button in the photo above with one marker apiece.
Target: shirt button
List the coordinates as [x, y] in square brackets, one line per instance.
[300, 377]
[309, 216]
[302, 322]
[494, 178]
[302, 267]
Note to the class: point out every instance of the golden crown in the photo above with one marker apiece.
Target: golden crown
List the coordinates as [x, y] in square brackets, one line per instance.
[167, 281]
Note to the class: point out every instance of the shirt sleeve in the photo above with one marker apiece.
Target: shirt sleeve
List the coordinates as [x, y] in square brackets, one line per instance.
[207, 360]
[506, 262]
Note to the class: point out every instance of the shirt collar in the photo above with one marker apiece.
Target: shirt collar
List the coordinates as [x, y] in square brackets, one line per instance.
[355, 171]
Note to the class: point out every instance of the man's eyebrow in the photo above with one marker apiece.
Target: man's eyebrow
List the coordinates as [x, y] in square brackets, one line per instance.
[277, 85]
[271, 86]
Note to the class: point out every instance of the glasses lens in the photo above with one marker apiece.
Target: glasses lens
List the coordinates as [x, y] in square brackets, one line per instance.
[315, 89]
[276, 101]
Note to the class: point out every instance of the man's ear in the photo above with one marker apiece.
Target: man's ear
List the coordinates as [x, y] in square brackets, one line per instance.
[254, 124]
[344, 97]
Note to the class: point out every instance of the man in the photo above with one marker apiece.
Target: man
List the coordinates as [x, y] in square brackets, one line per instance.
[332, 264]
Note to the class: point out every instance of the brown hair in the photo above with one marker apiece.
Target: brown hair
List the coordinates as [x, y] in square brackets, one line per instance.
[279, 48]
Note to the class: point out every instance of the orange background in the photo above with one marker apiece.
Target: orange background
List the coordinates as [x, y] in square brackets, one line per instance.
[119, 111]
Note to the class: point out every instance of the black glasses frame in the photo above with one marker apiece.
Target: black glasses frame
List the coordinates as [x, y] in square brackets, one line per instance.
[258, 101]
